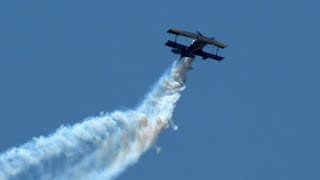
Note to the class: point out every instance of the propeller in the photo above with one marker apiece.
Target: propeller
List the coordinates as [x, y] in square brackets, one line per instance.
[199, 33]
[203, 35]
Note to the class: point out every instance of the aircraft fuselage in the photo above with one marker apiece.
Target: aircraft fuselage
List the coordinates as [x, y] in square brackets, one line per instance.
[194, 46]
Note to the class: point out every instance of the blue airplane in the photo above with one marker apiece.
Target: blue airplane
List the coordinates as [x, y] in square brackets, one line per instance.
[196, 47]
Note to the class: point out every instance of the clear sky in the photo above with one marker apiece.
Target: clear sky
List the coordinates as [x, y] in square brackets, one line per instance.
[254, 115]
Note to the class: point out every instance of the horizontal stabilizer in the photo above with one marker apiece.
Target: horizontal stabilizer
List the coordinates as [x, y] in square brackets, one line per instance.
[175, 45]
[206, 55]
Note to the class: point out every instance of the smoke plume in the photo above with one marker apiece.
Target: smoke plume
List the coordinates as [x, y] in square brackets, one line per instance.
[99, 147]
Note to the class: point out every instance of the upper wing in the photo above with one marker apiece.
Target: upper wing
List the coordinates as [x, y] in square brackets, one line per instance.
[183, 33]
[206, 55]
[197, 36]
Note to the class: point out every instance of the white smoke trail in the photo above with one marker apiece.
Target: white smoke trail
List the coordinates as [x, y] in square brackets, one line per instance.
[99, 147]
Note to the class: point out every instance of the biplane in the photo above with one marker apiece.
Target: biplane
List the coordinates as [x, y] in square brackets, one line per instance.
[196, 46]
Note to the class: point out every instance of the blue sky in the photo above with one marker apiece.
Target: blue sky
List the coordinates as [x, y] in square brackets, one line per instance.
[254, 115]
